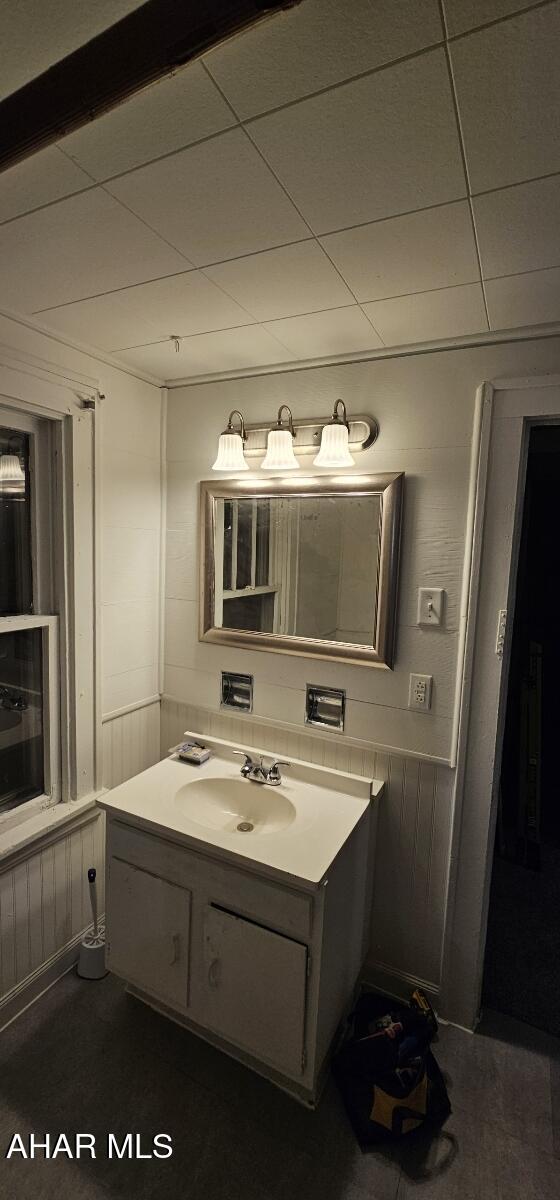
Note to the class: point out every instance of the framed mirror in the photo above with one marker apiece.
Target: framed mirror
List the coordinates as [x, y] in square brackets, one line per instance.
[306, 566]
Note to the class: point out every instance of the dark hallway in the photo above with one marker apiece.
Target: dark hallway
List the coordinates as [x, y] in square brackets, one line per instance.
[522, 963]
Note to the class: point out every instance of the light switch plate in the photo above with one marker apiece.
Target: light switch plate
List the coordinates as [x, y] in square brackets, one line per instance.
[430, 606]
[420, 692]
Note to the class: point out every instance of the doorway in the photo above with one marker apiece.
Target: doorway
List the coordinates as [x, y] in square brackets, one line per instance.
[522, 958]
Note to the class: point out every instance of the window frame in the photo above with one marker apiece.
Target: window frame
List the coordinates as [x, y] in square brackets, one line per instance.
[68, 491]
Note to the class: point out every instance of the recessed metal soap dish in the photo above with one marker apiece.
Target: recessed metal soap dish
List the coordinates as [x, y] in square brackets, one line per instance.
[237, 692]
[324, 707]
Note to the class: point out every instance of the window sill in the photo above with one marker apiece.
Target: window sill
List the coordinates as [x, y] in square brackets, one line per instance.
[38, 827]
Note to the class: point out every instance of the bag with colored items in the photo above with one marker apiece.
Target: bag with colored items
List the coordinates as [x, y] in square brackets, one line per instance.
[388, 1077]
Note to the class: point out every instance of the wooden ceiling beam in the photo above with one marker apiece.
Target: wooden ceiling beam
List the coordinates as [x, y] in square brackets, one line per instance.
[149, 43]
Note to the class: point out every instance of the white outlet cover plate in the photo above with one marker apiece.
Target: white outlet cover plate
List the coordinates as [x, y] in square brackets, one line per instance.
[420, 692]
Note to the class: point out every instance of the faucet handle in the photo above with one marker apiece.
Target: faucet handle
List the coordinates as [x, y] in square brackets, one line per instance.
[248, 760]
[273, 771]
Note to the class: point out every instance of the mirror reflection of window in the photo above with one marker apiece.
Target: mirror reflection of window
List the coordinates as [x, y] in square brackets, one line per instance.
[302, 566]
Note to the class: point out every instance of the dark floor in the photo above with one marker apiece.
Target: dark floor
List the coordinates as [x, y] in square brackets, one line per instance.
[522, 960]
[87, 1058]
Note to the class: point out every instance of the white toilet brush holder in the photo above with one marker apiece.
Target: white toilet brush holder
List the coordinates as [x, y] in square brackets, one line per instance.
[91, 963]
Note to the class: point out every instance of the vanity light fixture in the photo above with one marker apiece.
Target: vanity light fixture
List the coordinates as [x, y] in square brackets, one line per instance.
[280, 445]
[230, 455]
[12, 476]
[334, 450]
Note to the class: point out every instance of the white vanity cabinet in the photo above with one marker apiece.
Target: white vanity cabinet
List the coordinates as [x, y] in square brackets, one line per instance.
[150, 932]
[256, 988]
[261, 964]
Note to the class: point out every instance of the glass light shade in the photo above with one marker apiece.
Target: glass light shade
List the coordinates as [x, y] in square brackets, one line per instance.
[334, 450]
[12, 476]
[230, 453]
[280, 452]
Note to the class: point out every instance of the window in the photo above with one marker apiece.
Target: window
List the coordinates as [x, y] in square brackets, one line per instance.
[248, 594]
[29, 669]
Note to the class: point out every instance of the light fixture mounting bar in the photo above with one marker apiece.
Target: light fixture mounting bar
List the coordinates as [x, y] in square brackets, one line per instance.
[363, 432]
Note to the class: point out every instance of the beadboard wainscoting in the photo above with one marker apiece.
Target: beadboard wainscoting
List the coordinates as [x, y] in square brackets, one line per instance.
[45, 908]
[131, 742]
[413, 836]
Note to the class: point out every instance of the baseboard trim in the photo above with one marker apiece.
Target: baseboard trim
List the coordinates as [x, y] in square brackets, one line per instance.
[26, 993]
[398, 984]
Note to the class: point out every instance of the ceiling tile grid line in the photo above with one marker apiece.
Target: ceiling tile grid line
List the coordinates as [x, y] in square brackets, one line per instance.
[517, 9]
[238, 121]
[316, 312]
[287, 193]
[215, 283]
[190, 145]
[318, 244]
[465, 165]
[331, 88]
[185, 336]
[381, 222]
[443, 36]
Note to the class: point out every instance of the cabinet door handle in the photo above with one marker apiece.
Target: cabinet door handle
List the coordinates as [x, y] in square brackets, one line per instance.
[176, 939]
[214, 973]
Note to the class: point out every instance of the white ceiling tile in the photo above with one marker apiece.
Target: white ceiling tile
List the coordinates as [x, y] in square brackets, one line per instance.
[508, 88]
[518, 228]
[382, 145]
[38, 180]
[430, 249]
[184, 304]
[285, 282]
[462, 15]
[102, 321]
[180, 304]
[429, 316]
[229, 350]
[78, 247]
[317, 44]
[338, 331]
[532, 299]
[34, 35]
[213, 201]
[162, 118]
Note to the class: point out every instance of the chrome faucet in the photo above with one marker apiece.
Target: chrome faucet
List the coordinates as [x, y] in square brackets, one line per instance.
[258, 773]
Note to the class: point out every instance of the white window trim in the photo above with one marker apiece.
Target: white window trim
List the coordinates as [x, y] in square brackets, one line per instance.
[75, 724]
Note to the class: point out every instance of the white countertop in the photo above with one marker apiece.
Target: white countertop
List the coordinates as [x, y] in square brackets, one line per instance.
[328, 803]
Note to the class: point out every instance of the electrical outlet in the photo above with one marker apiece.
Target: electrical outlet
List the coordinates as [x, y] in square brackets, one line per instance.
[430, 606]
[420, 692]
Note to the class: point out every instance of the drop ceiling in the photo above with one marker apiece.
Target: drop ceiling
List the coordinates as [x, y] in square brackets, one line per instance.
[340, 179]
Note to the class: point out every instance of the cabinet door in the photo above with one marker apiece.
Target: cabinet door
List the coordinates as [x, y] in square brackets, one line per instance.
[148, 928]
[255, 989]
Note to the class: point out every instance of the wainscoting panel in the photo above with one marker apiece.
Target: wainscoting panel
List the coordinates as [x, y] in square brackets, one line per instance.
[45, 906]
[412, 845]
[131, 742]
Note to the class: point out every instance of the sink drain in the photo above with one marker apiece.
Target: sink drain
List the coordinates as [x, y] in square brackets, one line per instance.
[245, 827]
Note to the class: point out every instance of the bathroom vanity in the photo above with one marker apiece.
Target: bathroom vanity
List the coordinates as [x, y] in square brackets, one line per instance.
[242, 910]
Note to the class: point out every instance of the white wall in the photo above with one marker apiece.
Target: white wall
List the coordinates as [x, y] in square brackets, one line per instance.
[424, 405]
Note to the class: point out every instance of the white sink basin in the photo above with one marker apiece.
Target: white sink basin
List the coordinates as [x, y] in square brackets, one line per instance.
[296, 828]
[235, 806]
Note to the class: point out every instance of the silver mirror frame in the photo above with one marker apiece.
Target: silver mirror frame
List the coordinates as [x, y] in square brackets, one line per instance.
[389, 486]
